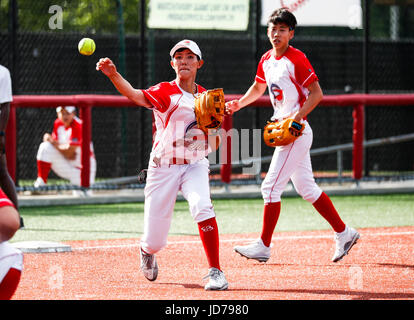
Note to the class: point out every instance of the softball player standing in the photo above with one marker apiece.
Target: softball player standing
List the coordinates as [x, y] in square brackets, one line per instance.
[177, 163]
[294, 92]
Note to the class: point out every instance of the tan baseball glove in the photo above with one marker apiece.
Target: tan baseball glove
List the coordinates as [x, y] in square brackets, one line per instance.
[209, 109]
[282, 133]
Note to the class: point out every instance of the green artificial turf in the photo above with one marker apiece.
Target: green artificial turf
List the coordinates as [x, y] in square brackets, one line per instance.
[90, 222]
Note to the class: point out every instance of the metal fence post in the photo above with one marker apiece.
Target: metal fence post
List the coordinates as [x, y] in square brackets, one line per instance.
[339, 163]
[358, 141]
[86, 115]
[225, 170]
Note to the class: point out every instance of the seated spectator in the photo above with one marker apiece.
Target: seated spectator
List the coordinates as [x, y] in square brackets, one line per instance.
[61, 150]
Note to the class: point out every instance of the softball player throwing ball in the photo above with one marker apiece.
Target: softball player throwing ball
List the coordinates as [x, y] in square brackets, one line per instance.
[175, 162]
[294, 92]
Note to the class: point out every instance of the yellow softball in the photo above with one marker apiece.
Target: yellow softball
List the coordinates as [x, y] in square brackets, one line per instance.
[86, 46]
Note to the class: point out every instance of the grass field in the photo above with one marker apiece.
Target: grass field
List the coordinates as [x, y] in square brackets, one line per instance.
[120, 221]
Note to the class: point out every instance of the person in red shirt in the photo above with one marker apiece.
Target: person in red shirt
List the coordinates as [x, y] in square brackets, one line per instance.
[294, 92]
[61, 150]
[177, 162]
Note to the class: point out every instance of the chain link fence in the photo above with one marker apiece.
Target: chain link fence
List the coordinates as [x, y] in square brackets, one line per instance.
[43, 59]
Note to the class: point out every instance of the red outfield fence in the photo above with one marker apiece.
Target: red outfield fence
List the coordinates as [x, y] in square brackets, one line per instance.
[85, 103]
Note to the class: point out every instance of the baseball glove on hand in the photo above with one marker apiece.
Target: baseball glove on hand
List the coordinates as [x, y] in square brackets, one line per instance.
[209, 109]
[282, 133]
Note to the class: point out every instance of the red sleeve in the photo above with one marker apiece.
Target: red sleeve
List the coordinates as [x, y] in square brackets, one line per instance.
[260, 75]
[4, 200]
[54, 131]
[159, 96]
[76, 136]
[304, 72]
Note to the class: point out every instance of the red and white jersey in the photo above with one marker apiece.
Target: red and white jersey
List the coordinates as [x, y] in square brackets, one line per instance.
[287, 78]
[71, 135]
[176, 125]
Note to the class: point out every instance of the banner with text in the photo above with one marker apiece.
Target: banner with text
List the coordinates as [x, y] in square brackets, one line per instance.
[207, 14]
[345, 13]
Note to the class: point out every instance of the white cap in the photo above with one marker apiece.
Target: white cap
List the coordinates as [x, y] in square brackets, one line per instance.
[69, 109]
[189, 44]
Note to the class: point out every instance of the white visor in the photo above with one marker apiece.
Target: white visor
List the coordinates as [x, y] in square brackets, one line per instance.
[69, 109]
[188, 44]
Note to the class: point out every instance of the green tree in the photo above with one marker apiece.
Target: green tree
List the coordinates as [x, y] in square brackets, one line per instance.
[92, 16]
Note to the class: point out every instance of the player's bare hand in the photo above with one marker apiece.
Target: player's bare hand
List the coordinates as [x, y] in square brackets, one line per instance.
[47, 137]
[231, 107]
[106, 66]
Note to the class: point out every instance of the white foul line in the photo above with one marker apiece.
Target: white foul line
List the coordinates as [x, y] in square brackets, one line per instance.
[137, 244]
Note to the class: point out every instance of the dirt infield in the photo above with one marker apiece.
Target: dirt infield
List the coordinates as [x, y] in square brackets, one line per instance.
[380, 266]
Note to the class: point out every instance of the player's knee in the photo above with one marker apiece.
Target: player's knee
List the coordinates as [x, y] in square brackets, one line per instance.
[310, 194]
[270, 194]
[44, 150]
[201, 209]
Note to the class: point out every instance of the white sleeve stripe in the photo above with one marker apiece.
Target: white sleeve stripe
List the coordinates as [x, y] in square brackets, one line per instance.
[260, 78]
[154, 100]
[307, 78]
[6, 201]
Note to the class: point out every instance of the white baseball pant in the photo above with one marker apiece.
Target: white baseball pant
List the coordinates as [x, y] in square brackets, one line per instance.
[64, 168]
[161, 190]
[292, 162]
[10, 257]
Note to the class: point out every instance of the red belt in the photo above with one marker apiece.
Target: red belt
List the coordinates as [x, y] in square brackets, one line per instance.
[172, 161]
[178, 161]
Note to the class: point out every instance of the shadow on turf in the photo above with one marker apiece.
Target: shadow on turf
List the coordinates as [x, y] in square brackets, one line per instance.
[355, 295]
[185, 285]
[394, 265]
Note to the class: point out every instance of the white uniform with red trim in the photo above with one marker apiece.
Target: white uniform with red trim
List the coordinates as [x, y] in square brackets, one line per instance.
[177, 163]
[64, 168]
[287, 78]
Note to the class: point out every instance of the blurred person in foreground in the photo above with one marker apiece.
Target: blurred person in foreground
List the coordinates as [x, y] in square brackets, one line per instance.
[6, 97]
[11, 259]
